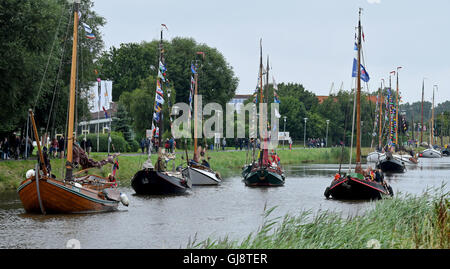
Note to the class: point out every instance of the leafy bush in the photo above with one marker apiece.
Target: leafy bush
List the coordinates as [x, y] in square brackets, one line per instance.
[118, 143]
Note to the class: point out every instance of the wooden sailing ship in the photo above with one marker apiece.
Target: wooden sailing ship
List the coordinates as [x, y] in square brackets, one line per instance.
[198, 171]
[358, 184]
[263, 172]
[157, 179]
[42, 192]
[431, 152]
[390, 162]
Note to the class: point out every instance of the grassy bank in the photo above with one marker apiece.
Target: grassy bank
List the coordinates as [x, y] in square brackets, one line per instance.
[404, 222]
[227, 163]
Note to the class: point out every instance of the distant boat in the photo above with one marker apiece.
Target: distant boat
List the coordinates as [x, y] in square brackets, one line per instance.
[42, 192]
[156, 179]
[391, 163]
[263, 172]
[431, 152]
[201, 174]
[356, 185]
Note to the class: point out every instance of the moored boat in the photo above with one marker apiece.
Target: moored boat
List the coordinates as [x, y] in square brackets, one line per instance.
[156, 179]
[430, 153]
[150, 181]
[42, 192]
[201, 175]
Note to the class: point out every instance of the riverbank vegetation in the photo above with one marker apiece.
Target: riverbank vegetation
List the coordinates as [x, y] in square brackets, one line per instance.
[228, 163]
[403, 222]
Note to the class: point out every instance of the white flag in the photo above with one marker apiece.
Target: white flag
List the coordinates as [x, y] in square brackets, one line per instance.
[87, 28]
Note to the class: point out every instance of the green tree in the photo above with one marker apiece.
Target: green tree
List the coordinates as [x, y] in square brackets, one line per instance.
[36, 56]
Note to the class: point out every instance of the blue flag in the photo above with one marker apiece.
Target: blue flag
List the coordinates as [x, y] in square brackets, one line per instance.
[193, 69]
[364, 75]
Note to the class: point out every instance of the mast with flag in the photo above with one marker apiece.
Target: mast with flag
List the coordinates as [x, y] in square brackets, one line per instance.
[157, 123]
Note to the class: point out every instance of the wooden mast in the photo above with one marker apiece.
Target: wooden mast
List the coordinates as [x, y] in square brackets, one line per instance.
[195, 110]
[73, 72]
[358, 98]
[432, 120]
[421, 121]
[161, 59]
[380, 115]
[261, 91]
[396, 113]
[41, 156]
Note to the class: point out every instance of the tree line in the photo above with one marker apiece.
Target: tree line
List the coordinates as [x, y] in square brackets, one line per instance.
[36, 43]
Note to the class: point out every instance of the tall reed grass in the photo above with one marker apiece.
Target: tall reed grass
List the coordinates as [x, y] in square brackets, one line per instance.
[404, 222]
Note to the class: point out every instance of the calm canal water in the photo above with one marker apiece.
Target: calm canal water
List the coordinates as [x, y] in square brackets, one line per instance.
[171, 221]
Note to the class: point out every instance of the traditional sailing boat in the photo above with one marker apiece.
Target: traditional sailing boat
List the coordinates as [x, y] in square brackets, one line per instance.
[359, 184]
[392, 163]
[43, 193]
[198, 172]
[376, 155]
[157, 180]
[263, 172]
[431, 152]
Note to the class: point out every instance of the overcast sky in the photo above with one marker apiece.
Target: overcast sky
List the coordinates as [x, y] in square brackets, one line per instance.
[308, 42]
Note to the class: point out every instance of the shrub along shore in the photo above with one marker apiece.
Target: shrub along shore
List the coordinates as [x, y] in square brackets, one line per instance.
[228, 163]
[403, 222]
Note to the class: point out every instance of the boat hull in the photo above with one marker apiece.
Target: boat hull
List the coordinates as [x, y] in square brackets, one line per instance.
[353, 188]
[200, 176]
[430, 153]
[264, 177]
[148, 181]
[52, 196]
[391, 165]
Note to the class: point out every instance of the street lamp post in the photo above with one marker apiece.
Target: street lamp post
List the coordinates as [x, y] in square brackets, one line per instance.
[326, 139]
[304, 136]
[284, 130]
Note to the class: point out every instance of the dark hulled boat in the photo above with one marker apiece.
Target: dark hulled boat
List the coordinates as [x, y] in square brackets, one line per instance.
[263, 172]
[355, 186]
[263, 176]
[156, 179]
[391, 164]
[150, 181]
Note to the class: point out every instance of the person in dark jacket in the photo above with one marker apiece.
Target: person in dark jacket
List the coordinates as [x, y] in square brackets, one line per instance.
[61, 147]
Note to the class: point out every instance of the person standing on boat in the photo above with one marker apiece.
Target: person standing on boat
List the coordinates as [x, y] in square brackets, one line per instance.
[89, 146]
[46, 160]
[171, 144]
[224, 143]
[142, 144]
[61, 145]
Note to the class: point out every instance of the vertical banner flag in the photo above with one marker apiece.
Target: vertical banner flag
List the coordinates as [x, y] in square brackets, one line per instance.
[364, 75]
